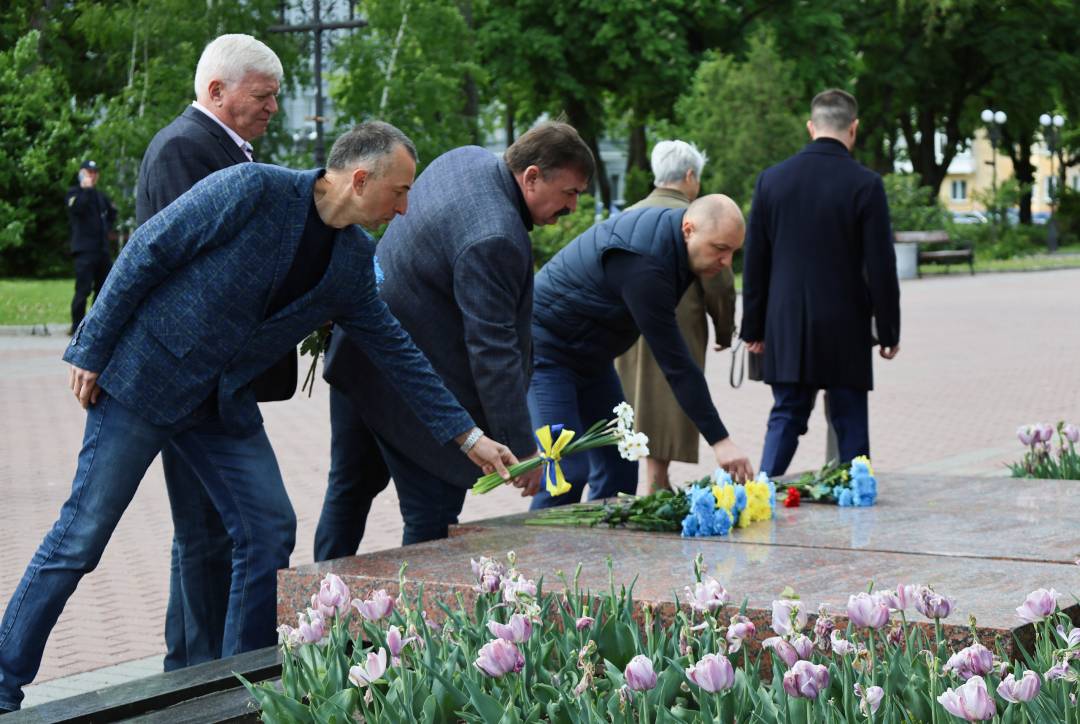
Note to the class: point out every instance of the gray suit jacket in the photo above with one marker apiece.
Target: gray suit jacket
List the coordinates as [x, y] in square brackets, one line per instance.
[459, 277]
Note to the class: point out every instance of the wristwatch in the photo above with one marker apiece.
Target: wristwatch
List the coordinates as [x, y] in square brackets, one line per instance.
[471, 440]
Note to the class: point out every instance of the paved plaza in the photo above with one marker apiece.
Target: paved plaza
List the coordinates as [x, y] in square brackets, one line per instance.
[979, 356]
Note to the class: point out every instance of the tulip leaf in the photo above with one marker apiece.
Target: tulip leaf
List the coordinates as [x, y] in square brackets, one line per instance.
[275, 706]
[338, 709]
[545, 694]
[487, 706]
[616, 642]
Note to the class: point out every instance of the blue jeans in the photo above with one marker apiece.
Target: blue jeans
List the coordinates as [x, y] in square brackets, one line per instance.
[429, 505]
[200, 570]
[560, 395]
[243, 480]
[357, 475]
[792, 405]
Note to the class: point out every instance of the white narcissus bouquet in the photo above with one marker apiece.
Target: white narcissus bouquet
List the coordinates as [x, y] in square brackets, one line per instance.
[556, 442]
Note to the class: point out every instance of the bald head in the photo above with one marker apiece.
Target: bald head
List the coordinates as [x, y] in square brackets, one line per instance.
[713, 228]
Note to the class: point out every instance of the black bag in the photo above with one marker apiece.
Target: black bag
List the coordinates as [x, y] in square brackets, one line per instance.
[745, 363]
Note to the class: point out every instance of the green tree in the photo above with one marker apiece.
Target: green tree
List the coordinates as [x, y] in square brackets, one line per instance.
[39, 142]
[740, 112]
[410, 66]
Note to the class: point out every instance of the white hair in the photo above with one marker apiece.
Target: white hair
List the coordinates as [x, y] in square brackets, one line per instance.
[229, 58]
[672, 159]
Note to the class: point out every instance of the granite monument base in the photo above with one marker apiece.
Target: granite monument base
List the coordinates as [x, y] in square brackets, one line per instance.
[985, 542]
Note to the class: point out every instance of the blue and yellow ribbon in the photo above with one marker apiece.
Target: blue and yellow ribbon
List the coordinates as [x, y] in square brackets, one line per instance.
[552, 439]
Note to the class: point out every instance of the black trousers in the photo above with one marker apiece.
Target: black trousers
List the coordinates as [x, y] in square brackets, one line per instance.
[91, 268]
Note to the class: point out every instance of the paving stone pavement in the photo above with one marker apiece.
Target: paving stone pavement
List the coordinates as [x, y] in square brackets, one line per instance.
[979, 356]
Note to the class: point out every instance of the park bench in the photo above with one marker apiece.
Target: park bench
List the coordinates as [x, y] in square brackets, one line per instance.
[935, 247]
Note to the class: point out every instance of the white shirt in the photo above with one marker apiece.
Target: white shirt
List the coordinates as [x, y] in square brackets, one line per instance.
[244, 145]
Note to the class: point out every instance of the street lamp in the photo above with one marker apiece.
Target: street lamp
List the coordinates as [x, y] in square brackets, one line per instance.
[1052, 136]
[993, 120]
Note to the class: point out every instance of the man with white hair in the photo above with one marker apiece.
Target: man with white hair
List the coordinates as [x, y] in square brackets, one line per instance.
[672, 435]
[236, 84]
[205, 296]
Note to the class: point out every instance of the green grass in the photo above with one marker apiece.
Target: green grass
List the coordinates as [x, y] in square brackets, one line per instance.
[1066, 258]
[36, 301]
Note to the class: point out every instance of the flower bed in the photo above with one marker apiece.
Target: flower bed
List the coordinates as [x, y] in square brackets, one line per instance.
[520, 654]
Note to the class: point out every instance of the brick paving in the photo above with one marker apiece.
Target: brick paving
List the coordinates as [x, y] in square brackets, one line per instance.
[979, 356]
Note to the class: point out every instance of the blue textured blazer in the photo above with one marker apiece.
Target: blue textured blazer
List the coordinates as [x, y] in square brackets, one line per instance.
[183, 313]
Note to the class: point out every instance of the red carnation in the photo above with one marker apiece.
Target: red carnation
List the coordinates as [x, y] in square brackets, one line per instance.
[793, 498]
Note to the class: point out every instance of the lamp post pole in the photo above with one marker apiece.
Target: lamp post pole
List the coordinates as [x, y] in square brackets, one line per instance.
[1052, 137]
[993, 120]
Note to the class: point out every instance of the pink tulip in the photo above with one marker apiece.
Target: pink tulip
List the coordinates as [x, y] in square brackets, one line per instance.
[372, 671]
[1017, 691]
[975, 660]
[803, 646]
[1039, 604]
[518, 630]
[788, 616]
[1045, 432]
[376, 608]
[1057, 671]
[865, 611]
[740, 629]
[869, 700]
[841, 646]
[970, 702]
[489, 574]
[500, 657]
[932, 604]
[288, 636]
[396, 643]
[312, 628]
[1072, 638]
[806, 680]
[332, 598]
[518, 586]
[707, 596]
[639, 673]
[712, 673]
[1071, 433]
[1027, 434]
[782, 648]
[584, 622]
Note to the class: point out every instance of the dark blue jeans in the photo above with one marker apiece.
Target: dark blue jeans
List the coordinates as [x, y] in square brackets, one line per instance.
[560, 395]
[792, 405]
[357, 475]
[429, 505]
[200, 571]
[242, 477]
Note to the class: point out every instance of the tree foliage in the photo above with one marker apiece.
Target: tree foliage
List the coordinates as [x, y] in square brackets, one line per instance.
[740, 113]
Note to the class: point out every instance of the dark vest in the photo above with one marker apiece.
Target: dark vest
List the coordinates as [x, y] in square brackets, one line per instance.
[577, 321]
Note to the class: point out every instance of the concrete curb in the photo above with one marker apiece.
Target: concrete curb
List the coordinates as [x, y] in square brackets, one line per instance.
[52, 329]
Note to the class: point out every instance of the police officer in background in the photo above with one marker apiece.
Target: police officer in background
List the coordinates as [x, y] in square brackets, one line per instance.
[92, 216]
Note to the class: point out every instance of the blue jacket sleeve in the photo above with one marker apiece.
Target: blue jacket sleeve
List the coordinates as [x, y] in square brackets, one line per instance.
[208, 216]
[757, 269]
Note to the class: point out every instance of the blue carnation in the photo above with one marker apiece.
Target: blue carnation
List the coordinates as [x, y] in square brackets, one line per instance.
[740, 498]
[721, 476]
[721, 522]
[845, 498]
[690, 526]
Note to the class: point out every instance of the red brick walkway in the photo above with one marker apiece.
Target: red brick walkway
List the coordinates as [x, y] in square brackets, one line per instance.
[979, 356]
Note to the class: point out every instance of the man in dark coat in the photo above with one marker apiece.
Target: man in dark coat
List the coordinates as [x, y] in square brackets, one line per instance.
[236, 83]
[819, 265]
[619, 280]
[92, 216]
[459, 276]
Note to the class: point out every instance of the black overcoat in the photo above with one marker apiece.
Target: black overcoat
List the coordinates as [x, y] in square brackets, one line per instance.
[819, 265]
